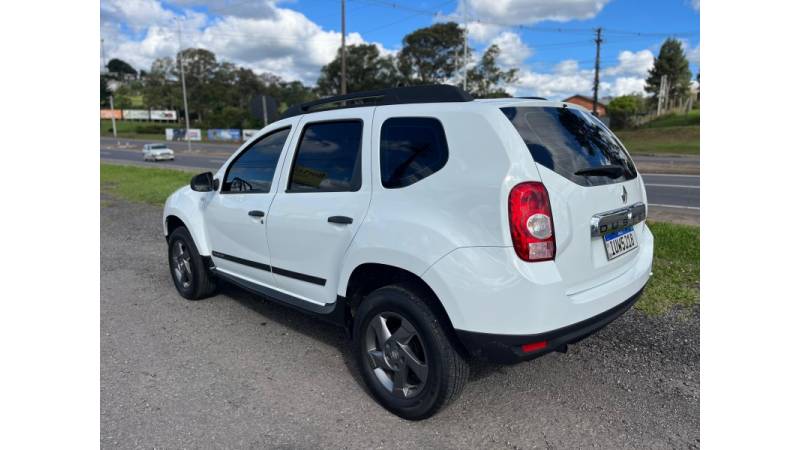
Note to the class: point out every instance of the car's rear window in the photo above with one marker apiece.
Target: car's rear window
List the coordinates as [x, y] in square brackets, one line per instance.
[567, 140]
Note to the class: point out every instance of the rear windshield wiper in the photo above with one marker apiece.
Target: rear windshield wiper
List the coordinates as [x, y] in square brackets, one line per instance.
[611, 171]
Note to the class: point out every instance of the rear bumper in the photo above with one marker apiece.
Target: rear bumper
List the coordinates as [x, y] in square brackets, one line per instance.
[507, 349]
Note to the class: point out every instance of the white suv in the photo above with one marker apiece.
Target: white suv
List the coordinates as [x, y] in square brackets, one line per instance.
[432, 226]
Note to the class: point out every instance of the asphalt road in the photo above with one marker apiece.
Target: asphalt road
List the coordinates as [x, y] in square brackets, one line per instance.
[235, 372]
[679, 192]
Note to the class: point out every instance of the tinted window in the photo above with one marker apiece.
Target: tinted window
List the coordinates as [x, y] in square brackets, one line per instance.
[412, 148]
[328, 158]
[157, 147]
[253, 170]
[567, 140]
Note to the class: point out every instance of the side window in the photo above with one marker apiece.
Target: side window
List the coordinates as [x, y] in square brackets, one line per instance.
[252, 171]
[328, 158]
[412, 148]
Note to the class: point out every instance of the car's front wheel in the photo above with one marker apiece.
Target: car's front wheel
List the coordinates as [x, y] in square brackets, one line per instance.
[192, 279]
[405, 355]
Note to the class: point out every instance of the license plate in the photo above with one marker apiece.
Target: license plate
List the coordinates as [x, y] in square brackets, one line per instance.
[620, 242]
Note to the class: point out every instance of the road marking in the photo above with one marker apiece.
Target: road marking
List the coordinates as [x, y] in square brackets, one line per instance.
[668, 175]
[218, 161]
[674, 206]
[672, 185]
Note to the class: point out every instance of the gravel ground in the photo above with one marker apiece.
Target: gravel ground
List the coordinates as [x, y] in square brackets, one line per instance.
[235, 372]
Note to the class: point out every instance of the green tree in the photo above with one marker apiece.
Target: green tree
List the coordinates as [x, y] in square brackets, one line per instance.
[366, 70]
[104, 91]
[486, 79]
[623, 109]
[118, 66]
[432, 55]
[672, 62]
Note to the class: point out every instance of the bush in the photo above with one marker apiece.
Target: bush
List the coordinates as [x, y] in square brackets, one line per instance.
[623, 109]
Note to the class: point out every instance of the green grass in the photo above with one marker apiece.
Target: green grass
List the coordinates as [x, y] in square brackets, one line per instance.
[137, 130]
[683, 140]
[692, 118]
[676, 269]
[139, 184]
[676, 266]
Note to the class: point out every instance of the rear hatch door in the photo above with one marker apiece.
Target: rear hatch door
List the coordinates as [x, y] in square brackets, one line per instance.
[595, 191]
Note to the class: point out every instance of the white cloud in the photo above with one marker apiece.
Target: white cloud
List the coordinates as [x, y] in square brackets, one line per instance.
[567, 78]
[481, 32]
[631, 63]
[516, 12]
[513, 52]
[137, 14]
[280, 40]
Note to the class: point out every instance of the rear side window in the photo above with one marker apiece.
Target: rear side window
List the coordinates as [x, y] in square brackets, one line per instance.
[566, 141]
[328, 158]
[412, 148]
[254, 168]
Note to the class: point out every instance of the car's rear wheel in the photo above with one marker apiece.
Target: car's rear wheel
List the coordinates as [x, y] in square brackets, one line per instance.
[192, 279]
[405, 355]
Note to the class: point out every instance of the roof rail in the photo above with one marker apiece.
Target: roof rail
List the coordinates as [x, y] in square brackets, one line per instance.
[437, 93]
[533, 98]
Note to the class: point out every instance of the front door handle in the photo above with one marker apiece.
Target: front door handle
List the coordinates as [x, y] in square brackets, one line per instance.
[256, 213]
[340, 219]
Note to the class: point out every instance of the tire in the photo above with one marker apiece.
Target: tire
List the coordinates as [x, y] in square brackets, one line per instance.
[189, 274]
[413, 377]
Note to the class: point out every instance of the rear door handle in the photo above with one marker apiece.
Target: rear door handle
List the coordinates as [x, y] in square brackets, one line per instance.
[256, 213]
[340, 219]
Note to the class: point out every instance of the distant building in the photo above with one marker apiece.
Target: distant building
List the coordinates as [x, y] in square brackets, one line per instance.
[586, 102]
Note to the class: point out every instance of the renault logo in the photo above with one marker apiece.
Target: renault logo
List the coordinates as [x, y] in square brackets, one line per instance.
[624, 195]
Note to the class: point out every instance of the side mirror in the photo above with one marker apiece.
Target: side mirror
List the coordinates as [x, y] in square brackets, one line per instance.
[203, 182]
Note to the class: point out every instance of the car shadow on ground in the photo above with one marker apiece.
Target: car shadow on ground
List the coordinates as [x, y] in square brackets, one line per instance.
[324, 332]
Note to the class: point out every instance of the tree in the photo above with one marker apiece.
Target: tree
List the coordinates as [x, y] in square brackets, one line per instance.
[104, 91]
[120, 67]
[672, 62]
[623, 109]
[366, 70]
[485, 80]
[432, 55]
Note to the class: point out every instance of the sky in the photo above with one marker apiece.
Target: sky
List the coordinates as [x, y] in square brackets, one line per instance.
[551, 42]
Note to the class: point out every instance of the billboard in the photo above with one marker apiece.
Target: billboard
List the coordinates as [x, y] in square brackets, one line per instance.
[111, 113]
[247, 134]
[181, 134]
[224, 134]
[135, 114]
[163, 114]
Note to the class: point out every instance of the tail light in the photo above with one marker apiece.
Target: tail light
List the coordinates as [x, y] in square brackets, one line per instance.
[531, 222]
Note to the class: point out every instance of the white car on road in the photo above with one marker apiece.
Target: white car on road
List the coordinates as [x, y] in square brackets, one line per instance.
[431, 226]
[157, 152]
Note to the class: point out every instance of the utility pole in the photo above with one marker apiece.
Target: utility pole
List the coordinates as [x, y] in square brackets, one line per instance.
[113, 120]
[465, 46]
[597, 40]
[183, 85]
[103, 53]
[344, 54]
[663, 90]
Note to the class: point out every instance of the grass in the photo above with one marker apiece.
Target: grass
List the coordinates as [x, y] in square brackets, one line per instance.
[676, 266]
[692, 118]
[677, 134]
[139, 184]
[676, 269]
[137, 130]
[682, 140]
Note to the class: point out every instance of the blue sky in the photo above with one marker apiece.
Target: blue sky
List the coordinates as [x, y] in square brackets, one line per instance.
[549, 41]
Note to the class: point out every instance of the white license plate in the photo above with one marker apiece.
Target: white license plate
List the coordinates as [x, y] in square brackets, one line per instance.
[620, 242]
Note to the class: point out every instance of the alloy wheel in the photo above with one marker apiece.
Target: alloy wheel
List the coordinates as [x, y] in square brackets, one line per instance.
[396, 354]
[181, 264]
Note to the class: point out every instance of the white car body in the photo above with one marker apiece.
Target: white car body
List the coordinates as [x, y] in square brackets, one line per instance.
[157, 152]
[451, 229]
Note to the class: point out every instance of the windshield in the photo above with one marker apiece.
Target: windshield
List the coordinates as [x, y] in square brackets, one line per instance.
[567, 140]
[158, 147]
